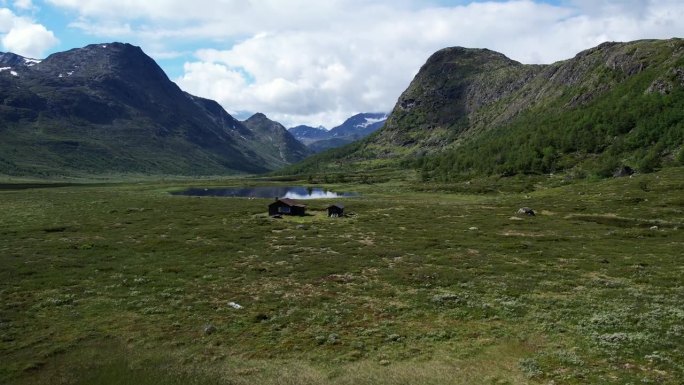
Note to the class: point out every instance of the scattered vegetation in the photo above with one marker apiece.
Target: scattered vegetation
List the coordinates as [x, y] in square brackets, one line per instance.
[426, 283]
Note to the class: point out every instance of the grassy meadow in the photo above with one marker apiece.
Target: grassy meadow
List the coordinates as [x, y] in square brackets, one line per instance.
[424, 284]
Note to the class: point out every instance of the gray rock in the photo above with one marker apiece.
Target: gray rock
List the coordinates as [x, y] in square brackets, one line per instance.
[622, 172]
[526, 211]
[209, 329]
[333, 339]
[394, 337]
[445, 297]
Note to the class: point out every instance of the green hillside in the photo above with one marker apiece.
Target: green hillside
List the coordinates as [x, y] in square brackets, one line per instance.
[476, 112]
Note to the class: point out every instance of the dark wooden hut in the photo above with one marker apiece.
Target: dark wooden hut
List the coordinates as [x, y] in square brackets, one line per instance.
[286, 206]
[336, 210]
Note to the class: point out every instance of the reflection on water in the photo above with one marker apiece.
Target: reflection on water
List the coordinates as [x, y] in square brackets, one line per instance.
[292, 192]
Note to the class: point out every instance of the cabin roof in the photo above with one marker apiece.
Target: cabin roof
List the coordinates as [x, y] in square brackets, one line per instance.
[289, 202]
[338, 205]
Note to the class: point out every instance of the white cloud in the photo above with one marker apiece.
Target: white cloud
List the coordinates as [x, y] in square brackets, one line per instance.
[23, 36]
[318, 62]
[104, 28]
[6, 19]
[298, 77]
[25, 5]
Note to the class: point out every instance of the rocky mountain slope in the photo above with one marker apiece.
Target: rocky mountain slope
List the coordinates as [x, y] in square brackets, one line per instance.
[475, 110]
[109, 108]
[355, 128]
[276, 140]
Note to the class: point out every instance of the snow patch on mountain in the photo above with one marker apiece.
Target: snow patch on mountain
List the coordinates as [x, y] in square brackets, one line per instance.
[370, 121]
[354, 128]
[31, 62]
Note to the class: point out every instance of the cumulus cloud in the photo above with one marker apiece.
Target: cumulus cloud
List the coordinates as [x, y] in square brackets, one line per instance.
[23, 36]
[299, 77]
[318, 62]
[24, 4]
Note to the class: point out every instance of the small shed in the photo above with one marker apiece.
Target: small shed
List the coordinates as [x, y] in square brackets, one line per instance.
[286, 206]
[336, 210]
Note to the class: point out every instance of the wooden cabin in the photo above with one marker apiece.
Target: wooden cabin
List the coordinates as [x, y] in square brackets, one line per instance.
[336, 210]
[286, 206]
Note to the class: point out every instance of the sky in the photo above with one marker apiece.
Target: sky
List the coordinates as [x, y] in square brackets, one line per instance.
[319, 62]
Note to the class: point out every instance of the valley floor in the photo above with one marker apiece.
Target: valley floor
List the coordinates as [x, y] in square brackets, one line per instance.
[125, 283]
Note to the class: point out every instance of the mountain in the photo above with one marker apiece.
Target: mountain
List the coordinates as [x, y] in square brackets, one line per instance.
[308, 134]
[329, 143]
[476, 111]
[359, 126]
[355, 128]
[109, 108]
[276, 140]
[11, 60]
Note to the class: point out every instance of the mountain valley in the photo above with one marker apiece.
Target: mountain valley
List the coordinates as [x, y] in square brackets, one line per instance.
[359, 126]
[504, 224]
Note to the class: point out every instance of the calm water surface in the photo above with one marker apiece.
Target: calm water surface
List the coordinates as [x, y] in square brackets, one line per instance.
[293, 192]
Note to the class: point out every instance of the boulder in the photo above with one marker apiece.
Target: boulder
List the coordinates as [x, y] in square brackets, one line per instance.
[622, 172]
[526, 211]
[209, 329]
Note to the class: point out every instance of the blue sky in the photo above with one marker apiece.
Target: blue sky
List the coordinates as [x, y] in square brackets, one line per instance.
[318, 62]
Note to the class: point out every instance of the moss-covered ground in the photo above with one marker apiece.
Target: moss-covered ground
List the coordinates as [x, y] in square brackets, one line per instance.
[127, 284]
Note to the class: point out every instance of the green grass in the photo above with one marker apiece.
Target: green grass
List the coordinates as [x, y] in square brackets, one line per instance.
[433, 284]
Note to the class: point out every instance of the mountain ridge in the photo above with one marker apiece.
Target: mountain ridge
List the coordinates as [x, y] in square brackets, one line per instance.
[109, 108]
[477, 111]
[276, 137]
[352, 129]
[307, 134]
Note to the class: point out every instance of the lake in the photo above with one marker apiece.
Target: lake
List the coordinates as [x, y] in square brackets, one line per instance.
[292, 192]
